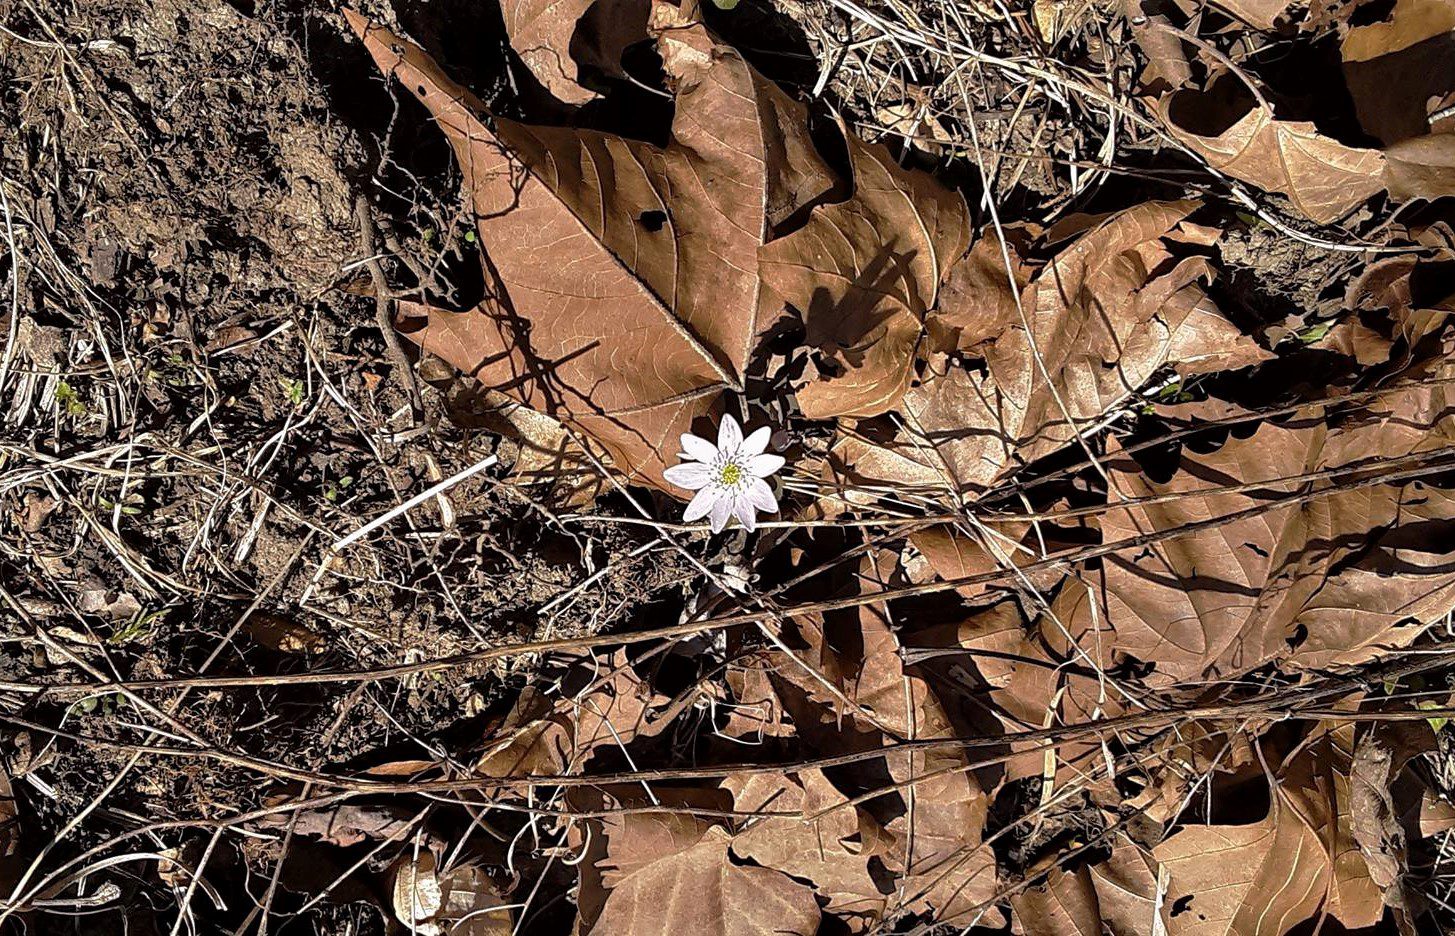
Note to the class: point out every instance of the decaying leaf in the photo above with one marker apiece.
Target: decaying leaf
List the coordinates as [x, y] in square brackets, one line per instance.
[626, 293]
[1324, 178]
[702, 890]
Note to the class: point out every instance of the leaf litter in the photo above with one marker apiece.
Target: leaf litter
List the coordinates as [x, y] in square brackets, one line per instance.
[1107, 593]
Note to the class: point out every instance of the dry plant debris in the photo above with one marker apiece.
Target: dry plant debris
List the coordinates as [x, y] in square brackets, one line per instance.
[1103, 362]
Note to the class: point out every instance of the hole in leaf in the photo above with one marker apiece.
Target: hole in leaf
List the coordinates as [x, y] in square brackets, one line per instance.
[653, 221]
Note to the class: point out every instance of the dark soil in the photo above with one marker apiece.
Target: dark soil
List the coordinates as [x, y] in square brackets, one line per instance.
[201, 400]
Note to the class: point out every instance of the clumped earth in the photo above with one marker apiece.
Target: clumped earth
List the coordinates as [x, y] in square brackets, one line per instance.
[1107, 345]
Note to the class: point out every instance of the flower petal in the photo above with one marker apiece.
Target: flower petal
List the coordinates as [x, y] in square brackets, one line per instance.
[701, 504]
[743, 510]
[722, 506]
[761, 466]
[729, 436]
[757, 442]
[760, 495]
[690, 475]
[698, 448]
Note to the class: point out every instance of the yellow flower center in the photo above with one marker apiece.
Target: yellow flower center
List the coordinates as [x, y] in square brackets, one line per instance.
[731, 474]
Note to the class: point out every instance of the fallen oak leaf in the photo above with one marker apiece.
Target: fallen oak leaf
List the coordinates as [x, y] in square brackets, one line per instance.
[625, 290]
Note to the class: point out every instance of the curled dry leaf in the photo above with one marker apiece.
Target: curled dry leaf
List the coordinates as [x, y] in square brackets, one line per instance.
[625, 287]
[549, 35]
[863, 273]
[1236, 134]
[702, 890]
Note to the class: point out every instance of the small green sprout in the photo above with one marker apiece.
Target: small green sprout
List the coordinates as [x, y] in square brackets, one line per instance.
[70, 400]
[293, 389]
[332, 491]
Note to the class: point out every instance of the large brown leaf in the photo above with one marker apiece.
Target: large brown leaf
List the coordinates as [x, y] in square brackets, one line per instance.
[1321, 176]
[701, 890]
[863, 273]
[1104, 315]
[935, 834]
[626, 293]
[1263, 879]
[1331, 581]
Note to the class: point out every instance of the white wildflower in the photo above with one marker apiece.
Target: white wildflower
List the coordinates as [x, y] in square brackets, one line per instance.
[728, 477]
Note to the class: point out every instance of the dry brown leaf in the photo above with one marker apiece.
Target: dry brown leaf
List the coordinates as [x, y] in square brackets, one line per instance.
[1328, 582]
[863, 273]
[1064, 904]
[1106, 314]
[542, 33]
[949, 872]
[1399, 69]
[1260, 14]
[1321, 176]
[284, 634]
[1421, 167]
[543, 736]
[1383, 307]
[416, 893]
[1436, 815]
[978, 300]
[636, 840]
[1251, 880]
[1373, 823]
[1263, 879]
[346, 825]
[626, 288]
[1126, 892]
[828, 851]
[702, 891]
